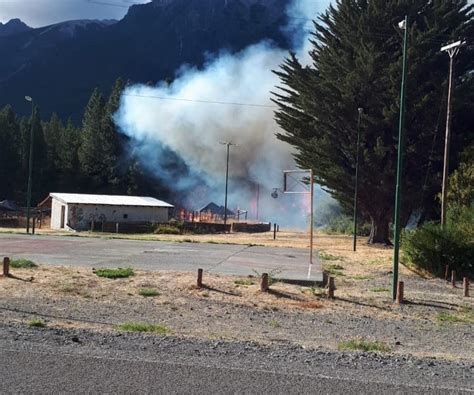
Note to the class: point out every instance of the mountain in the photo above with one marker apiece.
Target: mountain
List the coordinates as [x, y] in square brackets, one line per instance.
[60, 65]
[14, 26]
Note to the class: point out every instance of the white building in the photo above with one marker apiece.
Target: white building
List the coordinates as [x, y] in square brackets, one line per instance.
[79, 211]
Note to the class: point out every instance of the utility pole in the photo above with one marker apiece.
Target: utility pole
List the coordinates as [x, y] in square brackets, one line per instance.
[452, 50]
[401, 147]
[228, 144]
[30, 166]
[360, 111]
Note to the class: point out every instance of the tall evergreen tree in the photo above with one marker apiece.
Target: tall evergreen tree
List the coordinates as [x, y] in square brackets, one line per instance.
[357, 62]
[90, 150]
[9, 154]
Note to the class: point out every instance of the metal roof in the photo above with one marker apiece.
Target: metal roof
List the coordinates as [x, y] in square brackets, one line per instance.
[109, 200]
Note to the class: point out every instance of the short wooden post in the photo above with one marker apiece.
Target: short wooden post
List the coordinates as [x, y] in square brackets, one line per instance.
[331, 288]
[400, 290]
[116, 227]
[199, 279]
[465, 284]
[274, 231]
[92, 226]
[6, 267]
[453, 279]
[446, 273]
[264, 283]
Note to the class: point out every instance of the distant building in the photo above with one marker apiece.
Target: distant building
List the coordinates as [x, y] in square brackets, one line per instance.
[79, 211]
[214, 209]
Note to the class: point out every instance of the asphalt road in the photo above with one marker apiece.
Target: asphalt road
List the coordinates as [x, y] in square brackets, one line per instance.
[290, 263]
[27, 372]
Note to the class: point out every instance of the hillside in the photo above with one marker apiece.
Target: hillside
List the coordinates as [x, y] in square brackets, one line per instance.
[59, 65]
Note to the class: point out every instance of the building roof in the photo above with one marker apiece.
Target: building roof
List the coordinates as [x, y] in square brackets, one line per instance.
[109, 200]
[215, 209]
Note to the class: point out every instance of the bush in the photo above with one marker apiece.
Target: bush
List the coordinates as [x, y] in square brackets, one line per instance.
[343, 224]
[23, 264]
[115, 273]
[431, 248]
[168, 230]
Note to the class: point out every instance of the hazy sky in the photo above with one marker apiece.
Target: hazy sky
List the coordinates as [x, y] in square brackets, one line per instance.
[38, 13]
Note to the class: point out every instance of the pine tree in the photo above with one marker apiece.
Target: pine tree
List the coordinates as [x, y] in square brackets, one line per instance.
[357, 52]
[9, 154]
[90, 150]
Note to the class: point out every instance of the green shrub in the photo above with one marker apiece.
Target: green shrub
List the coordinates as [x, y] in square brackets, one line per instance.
[148, 292]
[23, 264]
[431, 248]
[115, 273]
[168, 230]
[36, 323]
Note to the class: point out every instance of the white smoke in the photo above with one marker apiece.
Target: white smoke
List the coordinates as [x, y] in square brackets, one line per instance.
[226, 100]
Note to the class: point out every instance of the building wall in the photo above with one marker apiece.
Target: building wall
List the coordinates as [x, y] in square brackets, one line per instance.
[56, 214]
[79, 216]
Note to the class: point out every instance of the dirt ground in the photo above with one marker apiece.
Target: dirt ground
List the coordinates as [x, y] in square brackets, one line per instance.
[436, 320]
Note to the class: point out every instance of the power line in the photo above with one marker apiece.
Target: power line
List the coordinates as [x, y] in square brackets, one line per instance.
[202, 101]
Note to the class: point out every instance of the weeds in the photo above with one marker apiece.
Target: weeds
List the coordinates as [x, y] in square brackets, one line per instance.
[329, 257]
[334, 270]
[274, 324]
[23, 264]
[36, 323]
[380, 289]
[363, 345]
[115, 273]
[142, 327]
[361, 278]
[148, 292]
[465, 316]
[244, 282]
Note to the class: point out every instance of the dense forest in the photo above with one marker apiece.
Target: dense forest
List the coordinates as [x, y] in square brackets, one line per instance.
[91, 158]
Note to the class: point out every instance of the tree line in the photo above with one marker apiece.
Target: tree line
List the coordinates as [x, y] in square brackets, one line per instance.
[90, 158]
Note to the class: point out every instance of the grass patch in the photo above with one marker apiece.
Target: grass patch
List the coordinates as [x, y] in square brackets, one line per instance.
[329, 257]
[142, 327]
[464, 316]
[380, 289]
[148, 292]
[36, 323]
[23, 264]
[361, 278]
[334, 270]
[363, 345]
[274, 324]
[115, 273]
[244, 283]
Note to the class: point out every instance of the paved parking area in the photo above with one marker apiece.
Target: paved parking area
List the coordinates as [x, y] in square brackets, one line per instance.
[288, 263]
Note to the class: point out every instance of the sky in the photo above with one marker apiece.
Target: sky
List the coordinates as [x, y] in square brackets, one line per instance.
[37, 13]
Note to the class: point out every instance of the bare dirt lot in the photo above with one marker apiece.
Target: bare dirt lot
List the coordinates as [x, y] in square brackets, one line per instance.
[436, 321]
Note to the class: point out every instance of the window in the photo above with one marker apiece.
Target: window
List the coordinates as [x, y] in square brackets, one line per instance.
[125, 216]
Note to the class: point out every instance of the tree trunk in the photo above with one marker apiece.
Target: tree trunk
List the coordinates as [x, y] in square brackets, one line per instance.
[379, 232]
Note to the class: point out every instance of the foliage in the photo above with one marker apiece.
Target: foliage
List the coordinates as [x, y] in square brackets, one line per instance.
[23, 264]
[431, 248]
[142, 327]
[334, 270]
[356, 60]
[36, 323]
[461, 182]
[115, 273]
[465, 315]
[148, 292]
[363, 345]
[171, 229]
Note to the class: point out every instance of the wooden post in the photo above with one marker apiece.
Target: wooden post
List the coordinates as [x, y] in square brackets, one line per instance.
[453, 279]
[116, 227]
[34, 225]
[274, 231]
[6, 267]
[465, 284]
[446, 273]
[331, 288]
[92, 225]
[264, 283]
[400, 290]
[199, 279]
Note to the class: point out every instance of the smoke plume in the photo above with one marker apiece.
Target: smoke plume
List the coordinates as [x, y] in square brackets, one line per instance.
[227, 100]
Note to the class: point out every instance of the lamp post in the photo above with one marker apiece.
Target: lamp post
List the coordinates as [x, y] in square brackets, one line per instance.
[452, 50]
[30, 166]
[360, 111]
[228, 144]
[401, 145]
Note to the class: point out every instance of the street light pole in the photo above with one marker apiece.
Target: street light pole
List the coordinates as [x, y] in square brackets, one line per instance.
[227, 144]
[401, 147]
[360, 110]
[452, 50]
[30, 166]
